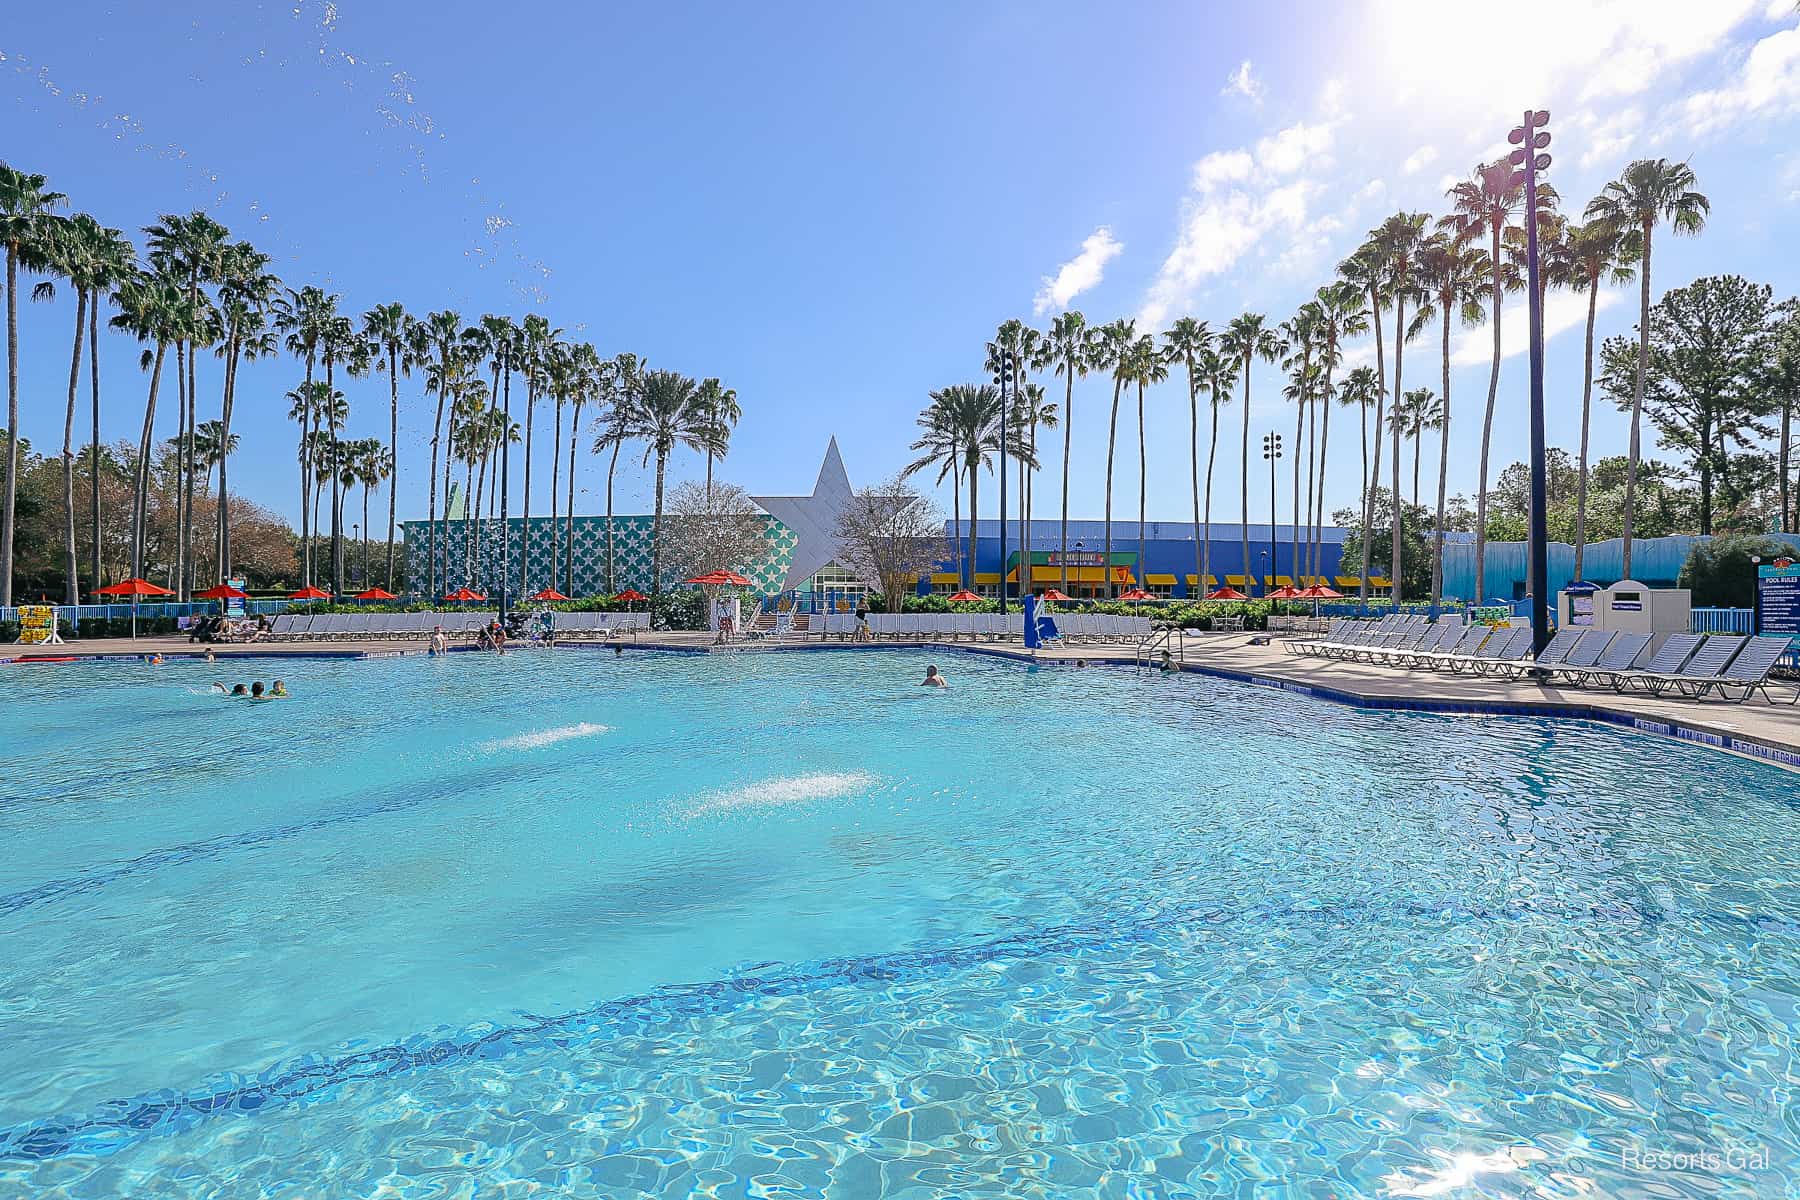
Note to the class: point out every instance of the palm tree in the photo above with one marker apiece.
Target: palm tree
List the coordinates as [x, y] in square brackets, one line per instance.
[1589, 256]
[1362, 391]
[25, 225]
[152, 308]
[111, 261]
[247, 292]
[470, 432]
[617, 428]
[1246, 339]
[971, 413]
[1185, 342]
[437, 347]
[561, 378]
[342, 344]
[1783, 379]
[1649, 191]
[1025, 345]
[374, 465]
[1029, 412]
[667, 412]
[534, 349]
[303, 316]
[1340, 315]
[1452, 276]
[1112, 352]
[388, 331]
[1490, 202]
[1144, 364]
[943, 449]
[591, 384]
[1366, 270]
[721, 402]
[1069, 349]
[1299, 332]
[78, 250]
[1218, 368]
[1401, 237]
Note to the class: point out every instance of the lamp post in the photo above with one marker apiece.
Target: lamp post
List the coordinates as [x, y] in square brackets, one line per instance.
[1003, 379]
[1530, 137]
[1272, 452]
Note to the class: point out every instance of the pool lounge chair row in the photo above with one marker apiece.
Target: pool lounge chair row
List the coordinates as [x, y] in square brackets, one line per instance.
[597, 626]
[1087, 627]
[327, 627]
[1730, 666]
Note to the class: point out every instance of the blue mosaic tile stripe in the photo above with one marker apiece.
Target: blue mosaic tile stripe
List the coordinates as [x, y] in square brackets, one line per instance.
[122, 1123]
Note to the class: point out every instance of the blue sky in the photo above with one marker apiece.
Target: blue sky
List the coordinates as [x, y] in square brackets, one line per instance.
[832, 206]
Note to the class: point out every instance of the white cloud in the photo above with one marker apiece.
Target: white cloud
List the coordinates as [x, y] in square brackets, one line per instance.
[1562, 311]
[1080, 273]
[1418, 160]
[1242, 82]
[1768, 84]
[1238, 197]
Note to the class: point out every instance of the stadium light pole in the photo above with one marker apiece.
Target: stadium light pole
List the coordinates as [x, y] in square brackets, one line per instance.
[1272, 452]
[1529, 138]
[1003, 379]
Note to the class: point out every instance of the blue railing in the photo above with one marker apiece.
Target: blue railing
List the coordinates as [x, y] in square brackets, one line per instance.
[80, 612]
[1721, 620]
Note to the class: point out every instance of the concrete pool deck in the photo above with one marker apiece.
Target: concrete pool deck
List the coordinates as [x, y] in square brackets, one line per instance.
[1767, 732]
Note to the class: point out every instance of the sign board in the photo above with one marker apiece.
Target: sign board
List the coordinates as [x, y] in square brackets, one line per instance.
[1581, 608]
[1778, 598]
[37, 625]
[1077, 558]
[234, 607]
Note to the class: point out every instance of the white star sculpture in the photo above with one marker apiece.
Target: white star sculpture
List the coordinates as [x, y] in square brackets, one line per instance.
[814, 519]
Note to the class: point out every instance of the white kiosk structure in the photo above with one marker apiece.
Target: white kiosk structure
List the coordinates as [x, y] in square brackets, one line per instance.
[1630, 607]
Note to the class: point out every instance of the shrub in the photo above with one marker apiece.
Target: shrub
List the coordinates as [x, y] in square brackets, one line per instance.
[1720, 573]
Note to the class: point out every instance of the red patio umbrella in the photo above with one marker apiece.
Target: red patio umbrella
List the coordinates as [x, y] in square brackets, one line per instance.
[1320, 591]
[223, 591]
[630, 596]
[549, 593]
[376, 593]
[134, 588]
[964, 597]
[1285, 592]
[463, 595]
[309, 592]
[1135, 595]
[1226, 593]
[1054, 594]
[720, 578]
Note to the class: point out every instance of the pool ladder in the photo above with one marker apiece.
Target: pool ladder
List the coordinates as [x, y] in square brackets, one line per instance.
[1151, 647]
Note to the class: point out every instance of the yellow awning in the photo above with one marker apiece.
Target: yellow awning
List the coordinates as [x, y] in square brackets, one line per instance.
[1153, 577]
[1236, 581]
[1193, 580]
[1043, 574]
[1281, 580]
[1349, 581]
[946, 577]
[987, 577]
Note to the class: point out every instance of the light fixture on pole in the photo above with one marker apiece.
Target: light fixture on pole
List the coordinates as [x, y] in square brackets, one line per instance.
[1272, 452]
[1003, 379]
[1530, 138]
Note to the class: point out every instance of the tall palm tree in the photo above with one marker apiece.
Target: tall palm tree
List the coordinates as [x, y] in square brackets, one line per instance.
[78, 250]
[1247, 338]
[1341, 315]
[470, 434]
[616, 429]
[1646, 193]
[1401, 237]
[342, 344]
[1452, 277]
[1366, 270]
[1143, 365]
[1783, 379]
[667, 413]
[942, 447]
[1590, 256]
[1029, 411]
[1362, 391]
[374, 465]
[1025, 344]
[1218, 368]
[247, 292]
[534, 350]
[1299, 333]
[1185, 342]
[1069, 350]
[971, 412]
[25, 228]
[722, 403]
[561, 378]
[152, 308]
[112, 261]
[591, 385]
[437, 347]
[1490, 202]
[1112, 352]
[302, 317]
[388, 331]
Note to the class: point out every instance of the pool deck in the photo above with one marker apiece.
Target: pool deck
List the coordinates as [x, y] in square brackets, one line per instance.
[1763, 731]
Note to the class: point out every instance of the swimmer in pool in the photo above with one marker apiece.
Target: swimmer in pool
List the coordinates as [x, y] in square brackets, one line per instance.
[236, 689]
[256, 691]
[279, 691]
[932, 678]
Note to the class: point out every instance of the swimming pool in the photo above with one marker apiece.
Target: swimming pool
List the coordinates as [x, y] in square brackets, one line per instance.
[790, 925]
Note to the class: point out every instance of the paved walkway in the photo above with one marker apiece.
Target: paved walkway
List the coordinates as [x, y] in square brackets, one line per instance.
[1770, 732]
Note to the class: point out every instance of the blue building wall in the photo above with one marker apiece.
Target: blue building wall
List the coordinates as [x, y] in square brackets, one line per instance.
[1655, 562]
[1168, 548]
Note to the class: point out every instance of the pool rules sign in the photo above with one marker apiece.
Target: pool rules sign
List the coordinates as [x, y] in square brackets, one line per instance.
[1778, 597]
[37, 625]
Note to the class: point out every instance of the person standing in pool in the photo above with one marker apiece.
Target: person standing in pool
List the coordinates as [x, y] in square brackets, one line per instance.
[932, 678]
[256, 690]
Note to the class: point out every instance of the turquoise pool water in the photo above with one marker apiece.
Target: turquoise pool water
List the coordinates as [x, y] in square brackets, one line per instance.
[790, 925]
